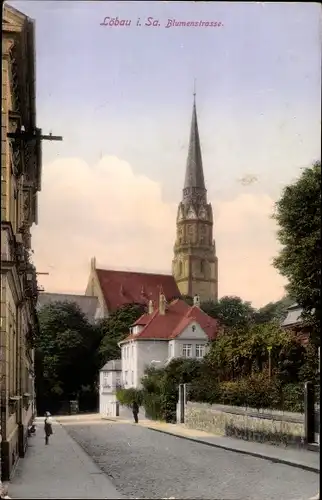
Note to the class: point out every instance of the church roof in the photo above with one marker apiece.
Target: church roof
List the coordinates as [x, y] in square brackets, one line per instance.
[194, 171]
[125, 287]
[169, 325]
[88, 305]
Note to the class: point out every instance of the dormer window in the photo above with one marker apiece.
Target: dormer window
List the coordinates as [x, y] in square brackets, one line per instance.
[137, 329]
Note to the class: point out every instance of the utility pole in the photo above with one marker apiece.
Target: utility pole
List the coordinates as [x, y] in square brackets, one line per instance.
[269, 348]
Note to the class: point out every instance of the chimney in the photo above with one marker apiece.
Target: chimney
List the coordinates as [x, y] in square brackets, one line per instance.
[162, 304]
[196, 301]
[150, 307]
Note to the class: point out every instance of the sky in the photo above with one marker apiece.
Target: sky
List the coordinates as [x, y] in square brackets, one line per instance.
[121, 97]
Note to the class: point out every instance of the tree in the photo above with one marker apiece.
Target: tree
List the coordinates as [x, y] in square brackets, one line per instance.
[65, 352]
[116, 328]
[274, 311]
[230, 311]
[241, 352]
[298, 214]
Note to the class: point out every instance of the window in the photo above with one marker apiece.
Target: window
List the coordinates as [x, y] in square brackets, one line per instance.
[132, 378]
[187, 350]
[105, 381]
[202, 266]
[170, 352]
[200, 350]
[125, 378]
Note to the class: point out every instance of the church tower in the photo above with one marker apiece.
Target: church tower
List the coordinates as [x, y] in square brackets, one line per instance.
[195, 264]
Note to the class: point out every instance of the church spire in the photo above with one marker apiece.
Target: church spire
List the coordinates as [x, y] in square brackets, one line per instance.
[194, 181]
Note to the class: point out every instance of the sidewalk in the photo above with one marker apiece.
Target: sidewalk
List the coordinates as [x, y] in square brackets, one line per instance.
[303, 459]
[60, 470]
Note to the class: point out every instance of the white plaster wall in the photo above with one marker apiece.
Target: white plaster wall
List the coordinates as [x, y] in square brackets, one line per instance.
[188, 336]
[129, 363]
[108, 405]
[107, 396]
[146, 352]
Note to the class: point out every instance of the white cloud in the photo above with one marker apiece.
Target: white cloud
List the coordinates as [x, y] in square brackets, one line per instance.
[108, 211]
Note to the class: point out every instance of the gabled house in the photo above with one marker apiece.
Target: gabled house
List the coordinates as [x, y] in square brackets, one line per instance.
[115, 289]
[171, 331]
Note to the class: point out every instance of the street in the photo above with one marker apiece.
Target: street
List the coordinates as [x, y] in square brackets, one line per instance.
[146, 464]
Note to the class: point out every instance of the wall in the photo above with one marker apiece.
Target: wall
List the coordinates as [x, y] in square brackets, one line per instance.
[129, 363]
[188, 336]
[274, 427]
[108, 381]
[141, 354]
[148, 351]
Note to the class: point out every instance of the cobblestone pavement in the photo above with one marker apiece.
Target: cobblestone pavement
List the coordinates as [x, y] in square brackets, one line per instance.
[146, 464]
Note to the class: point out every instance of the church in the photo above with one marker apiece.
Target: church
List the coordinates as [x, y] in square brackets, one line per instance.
[195, 264]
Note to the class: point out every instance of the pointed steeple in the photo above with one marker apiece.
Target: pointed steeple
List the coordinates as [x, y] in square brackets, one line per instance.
[194, 181]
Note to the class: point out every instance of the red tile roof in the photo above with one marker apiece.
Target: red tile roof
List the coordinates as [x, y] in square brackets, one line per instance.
[170, 325]
[125, 287]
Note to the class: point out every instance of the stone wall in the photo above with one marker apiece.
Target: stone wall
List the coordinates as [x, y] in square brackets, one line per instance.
[274, 427]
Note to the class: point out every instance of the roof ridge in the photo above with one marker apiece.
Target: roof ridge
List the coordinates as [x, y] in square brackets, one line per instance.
[133, 272]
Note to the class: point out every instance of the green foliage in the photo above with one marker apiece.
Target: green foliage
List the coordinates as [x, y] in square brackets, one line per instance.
[241, 352]
[230, 311]
[234, 372]
[309, 370]
[258, 391]
[116, 328]
[274, 311]
[66, 349]
[128, 396]
[298, 214]
[160, 387]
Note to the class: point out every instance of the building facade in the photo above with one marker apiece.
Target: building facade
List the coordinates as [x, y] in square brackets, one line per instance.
[109, 380]
[195, 264]
[173, 330]
[20, 183]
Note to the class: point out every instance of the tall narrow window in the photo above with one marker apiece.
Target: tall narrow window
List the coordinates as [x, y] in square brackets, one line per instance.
[202, 266]
[187, 350]
[200, 350]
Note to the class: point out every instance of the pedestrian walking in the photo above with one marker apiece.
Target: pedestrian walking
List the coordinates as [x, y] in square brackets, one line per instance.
[48, 426]
[135, 411]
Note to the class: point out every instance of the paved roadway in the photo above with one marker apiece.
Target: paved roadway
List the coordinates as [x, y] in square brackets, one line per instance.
[146, 464]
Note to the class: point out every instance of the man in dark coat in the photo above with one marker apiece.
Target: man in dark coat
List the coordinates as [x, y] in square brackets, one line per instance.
[135, 411]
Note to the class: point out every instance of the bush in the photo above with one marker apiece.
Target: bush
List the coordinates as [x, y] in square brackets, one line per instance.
[293, 398]
[257, 391]
[127, 396]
